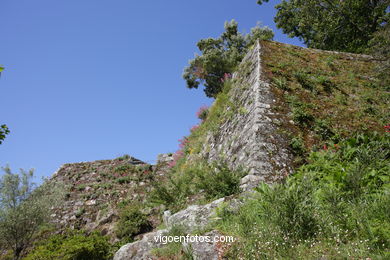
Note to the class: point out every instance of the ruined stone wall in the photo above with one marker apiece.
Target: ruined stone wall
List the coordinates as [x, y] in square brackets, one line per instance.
[251, 137]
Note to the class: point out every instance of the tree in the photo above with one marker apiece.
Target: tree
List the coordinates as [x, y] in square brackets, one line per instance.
[3, 132]
[23, 209]
[380, 48]
[343, 25]
[220, 56]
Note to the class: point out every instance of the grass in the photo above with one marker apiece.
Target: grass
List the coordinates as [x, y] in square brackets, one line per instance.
[329, 94]
[203, 182]
[335, 207]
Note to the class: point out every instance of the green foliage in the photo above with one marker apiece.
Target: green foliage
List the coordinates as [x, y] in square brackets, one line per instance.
[211, 181]
[300, 113]
[173, 250]
[217, 181]
[329, 95]
[298, 146]
[124, 157]
[304, 79]
[79, 212]
[380, 48]
[336, 206]
[346, 25]
[72, 246]
[220, 56]
[124, 168]
[358, 165]
[281, 83]
[3, 132]
[132, 222]
[125, 179]
[23, 209]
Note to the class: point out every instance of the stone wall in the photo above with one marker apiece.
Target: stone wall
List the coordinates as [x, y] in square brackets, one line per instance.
[251, 138]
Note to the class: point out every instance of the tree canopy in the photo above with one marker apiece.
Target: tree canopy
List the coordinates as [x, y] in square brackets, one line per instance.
[346, 25]
[220, 56]
[23, 208]
[3, 132]
[380, 48]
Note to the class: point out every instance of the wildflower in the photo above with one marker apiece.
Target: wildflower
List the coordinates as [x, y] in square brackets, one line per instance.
[202, 113]
[194, 128]
[387, 127]
[325, 147]
[226, 76]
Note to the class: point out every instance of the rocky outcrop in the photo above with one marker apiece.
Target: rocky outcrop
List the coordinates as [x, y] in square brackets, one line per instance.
[195, 217]
[94, 189]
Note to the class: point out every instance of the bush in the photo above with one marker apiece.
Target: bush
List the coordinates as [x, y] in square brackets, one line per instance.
[132, 222]
[211, 181]
[337, 206]
[72, 246]
[280, 83]
[202, 113]
[217, 181]
[124, 168]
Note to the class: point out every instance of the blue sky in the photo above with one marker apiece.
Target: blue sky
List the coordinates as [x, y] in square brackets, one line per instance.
[92, 79]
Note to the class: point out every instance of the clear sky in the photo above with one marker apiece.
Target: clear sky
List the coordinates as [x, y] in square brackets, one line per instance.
[93, 79]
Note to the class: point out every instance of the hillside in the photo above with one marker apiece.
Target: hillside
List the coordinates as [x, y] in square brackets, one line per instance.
[95, 191]
[285, 160]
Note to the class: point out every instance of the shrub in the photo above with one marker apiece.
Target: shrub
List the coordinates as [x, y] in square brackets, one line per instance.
[202, 113]
[173, 193]
[217, 181]
[124, 157]
[297, 145]
[124, 168]
[72, 246]
[336, 206]
[280, 83]
[211, 181]
[122, 180]
[132, 222]
[304, 80]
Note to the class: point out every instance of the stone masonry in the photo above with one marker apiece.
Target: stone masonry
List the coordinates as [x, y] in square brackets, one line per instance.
[251, 138]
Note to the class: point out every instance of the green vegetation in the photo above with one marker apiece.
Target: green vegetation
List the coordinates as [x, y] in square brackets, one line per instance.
[23, 209]
[337, 206]
[206, 182]
[131, 222]
[220, 57]
[124, 157]
[329, 96]
[3, 132]
[124, 168]
[173, 250]
[380, 48]
[72, 246]
[347, 25]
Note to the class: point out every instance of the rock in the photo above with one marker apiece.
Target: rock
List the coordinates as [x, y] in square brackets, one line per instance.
[141, 249]
[78, 203]
[90, 202]
[250, 181]
[110, 216]
[194, 217]
[202, 250]
[166, 216]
